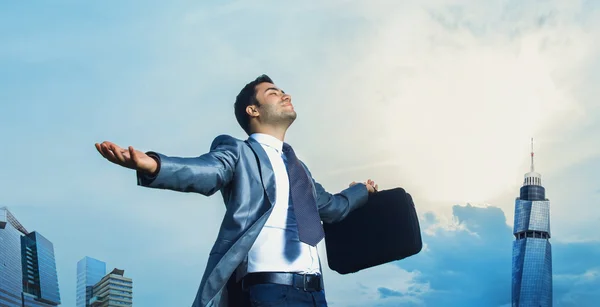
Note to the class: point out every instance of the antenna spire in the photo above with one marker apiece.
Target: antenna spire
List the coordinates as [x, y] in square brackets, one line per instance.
[532, 168]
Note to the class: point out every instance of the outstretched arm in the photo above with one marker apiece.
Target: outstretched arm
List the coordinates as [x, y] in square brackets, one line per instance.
[335, 207]
[205, 174]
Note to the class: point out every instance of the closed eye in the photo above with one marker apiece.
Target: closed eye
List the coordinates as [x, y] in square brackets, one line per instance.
[274, 90]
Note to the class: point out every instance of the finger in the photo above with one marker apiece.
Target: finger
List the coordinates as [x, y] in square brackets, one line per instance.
[106, 145]
[125, 153]
[118, 153]
[114, 147]
[110, 144]
[108, 153]
[133, 155]
[99, 149]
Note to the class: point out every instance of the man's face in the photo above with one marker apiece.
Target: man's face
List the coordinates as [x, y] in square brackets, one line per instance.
[274, 105]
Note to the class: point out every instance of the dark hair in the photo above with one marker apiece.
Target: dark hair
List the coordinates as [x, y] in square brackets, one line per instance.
[247, 97]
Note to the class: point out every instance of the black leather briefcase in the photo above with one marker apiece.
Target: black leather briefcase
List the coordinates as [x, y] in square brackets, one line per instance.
[385, 229]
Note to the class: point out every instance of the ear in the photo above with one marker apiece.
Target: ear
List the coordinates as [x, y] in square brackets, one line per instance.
[252, 110]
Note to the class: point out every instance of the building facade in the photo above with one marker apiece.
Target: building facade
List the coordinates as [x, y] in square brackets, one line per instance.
[28, 274]
[39, 269]
[532, 252]
[113, 290]
[89, 272]
[11, 270]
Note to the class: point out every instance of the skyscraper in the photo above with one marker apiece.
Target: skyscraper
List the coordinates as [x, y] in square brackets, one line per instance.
[11, 271]
[532, 252]
[27, 266]
[39, 271]
[113, 290]
[89, 272]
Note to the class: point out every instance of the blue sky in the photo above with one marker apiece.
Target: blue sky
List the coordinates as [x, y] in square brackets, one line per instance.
[439, 98]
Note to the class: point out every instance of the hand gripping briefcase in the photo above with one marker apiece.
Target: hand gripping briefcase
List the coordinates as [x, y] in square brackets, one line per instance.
[385, 229]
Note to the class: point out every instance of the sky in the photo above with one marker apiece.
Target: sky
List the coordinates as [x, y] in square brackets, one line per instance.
[441, 99]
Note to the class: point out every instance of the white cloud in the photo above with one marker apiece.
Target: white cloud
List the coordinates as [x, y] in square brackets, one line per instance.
[363, 288]
[458, 109]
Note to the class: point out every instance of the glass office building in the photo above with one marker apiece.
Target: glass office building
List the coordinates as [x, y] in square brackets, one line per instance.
[39, 269]
[28, 275]
[11, 274]
[89, 272]
[532, 252]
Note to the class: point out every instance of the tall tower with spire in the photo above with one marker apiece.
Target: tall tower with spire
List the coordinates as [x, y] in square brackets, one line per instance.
[532, 252]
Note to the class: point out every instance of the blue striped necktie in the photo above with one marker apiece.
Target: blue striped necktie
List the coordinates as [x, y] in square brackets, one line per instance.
[310, 229]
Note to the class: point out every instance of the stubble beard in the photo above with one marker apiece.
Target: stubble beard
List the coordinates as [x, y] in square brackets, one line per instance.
[285, 119]
[281, 119]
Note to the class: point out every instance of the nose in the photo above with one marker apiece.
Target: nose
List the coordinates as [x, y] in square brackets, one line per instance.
[286, 97]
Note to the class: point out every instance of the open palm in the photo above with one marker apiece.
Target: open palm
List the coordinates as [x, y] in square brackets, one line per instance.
[130, 157]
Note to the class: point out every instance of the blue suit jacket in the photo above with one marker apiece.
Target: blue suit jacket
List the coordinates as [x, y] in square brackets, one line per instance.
[242, 172]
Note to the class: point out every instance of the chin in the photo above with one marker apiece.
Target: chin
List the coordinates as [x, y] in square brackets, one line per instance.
[291, 118]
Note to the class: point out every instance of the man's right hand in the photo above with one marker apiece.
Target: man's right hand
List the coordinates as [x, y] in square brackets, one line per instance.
[129, 158]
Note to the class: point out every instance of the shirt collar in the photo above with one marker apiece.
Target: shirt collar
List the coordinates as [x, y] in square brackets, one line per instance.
[268, 140]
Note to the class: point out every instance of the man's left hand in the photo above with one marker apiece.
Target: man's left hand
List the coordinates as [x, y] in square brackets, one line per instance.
[371, 186]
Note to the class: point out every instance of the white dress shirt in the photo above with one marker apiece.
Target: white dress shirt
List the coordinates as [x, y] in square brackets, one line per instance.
[277, 248]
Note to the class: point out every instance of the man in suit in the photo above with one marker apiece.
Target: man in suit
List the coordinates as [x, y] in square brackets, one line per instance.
[265, 253]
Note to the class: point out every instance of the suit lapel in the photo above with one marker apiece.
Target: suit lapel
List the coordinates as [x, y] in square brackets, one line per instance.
[266, 170]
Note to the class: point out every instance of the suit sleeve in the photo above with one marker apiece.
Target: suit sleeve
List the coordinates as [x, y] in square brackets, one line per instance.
[205, 174]
[335, 207]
